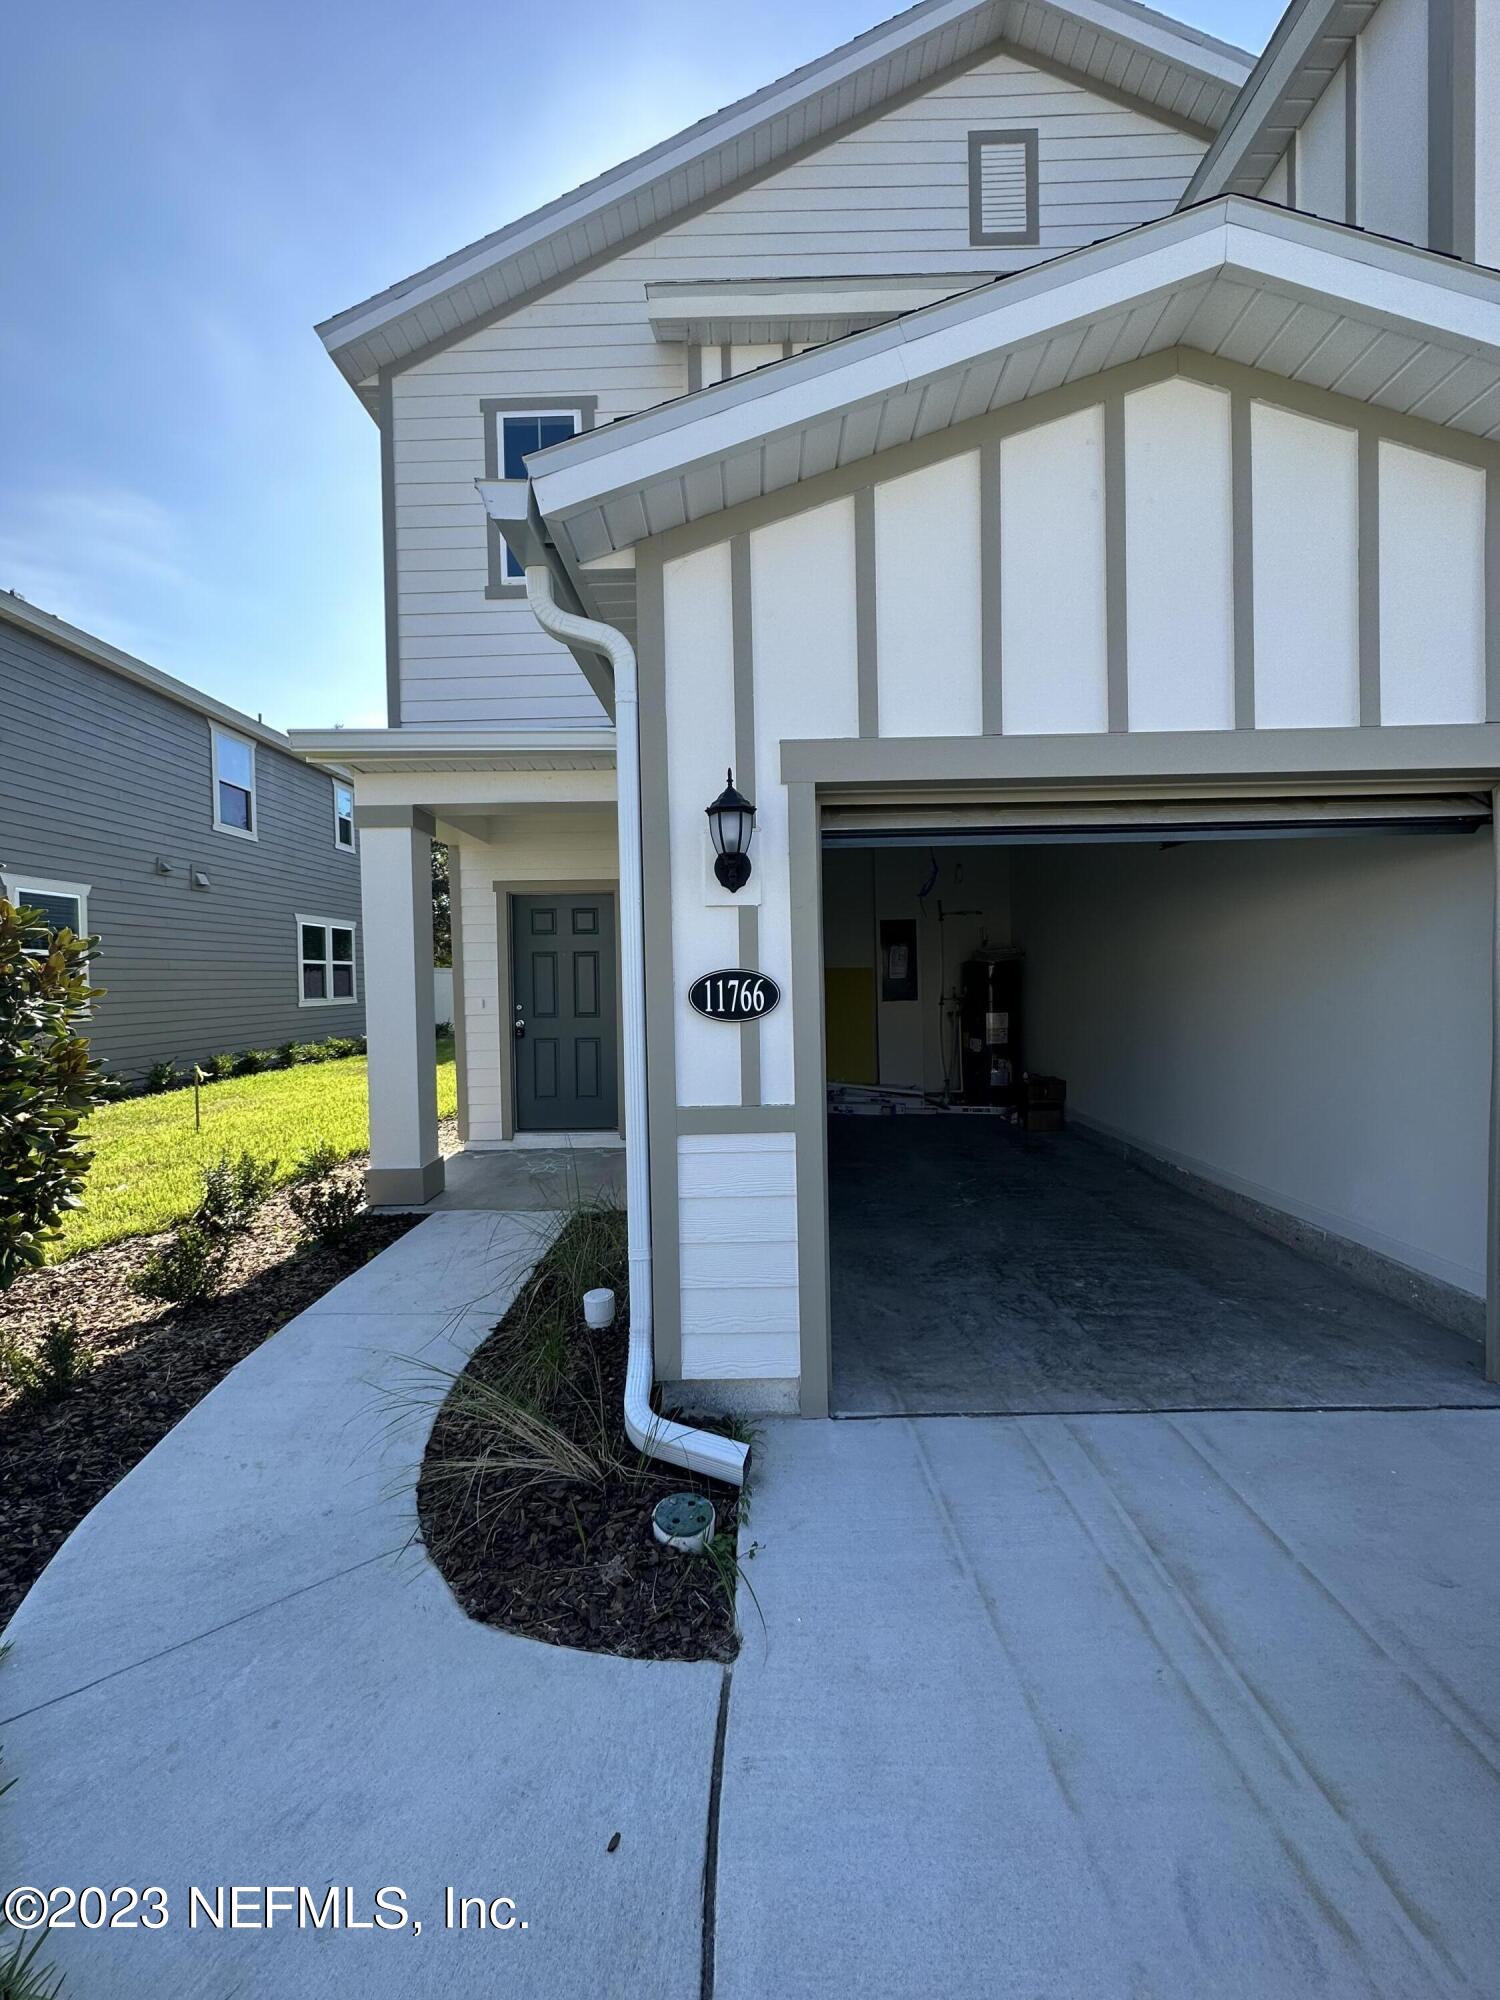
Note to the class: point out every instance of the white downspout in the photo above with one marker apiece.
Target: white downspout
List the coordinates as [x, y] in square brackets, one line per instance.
[699, 1451]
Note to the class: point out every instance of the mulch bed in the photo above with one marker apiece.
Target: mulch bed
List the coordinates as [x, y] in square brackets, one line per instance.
[151, 1364]
[576, 1564]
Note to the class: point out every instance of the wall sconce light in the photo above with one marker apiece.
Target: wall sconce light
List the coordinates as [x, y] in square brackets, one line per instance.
[731, 821]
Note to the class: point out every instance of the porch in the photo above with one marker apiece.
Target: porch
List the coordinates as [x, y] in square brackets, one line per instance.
[528, 817]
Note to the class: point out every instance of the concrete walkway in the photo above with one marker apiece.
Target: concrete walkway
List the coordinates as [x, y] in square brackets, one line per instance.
[237, 1670]
[1114, 1707]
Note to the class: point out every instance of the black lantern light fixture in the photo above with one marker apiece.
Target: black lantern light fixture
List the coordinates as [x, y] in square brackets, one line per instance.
[731, 821]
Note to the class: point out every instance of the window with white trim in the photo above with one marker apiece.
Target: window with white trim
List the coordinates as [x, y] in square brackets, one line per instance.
[63, 905]
[1004, 200]
[343, 816]
[325, 962]
[234, 784]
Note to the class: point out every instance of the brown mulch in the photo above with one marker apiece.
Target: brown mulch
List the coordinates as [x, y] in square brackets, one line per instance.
[151, 1364]
[576, 1564]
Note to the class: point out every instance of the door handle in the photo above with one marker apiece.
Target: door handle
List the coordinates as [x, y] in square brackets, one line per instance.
[520, 1027]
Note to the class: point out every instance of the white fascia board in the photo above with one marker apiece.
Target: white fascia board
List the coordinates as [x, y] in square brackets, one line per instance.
[1411, 300]
[1170, 42]
[1300, 31]
[1388, 283]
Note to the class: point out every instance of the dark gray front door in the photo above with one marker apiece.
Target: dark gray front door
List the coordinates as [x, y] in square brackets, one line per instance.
[563, 1026]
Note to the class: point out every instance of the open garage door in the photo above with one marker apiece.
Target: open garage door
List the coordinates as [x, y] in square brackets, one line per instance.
[1170, 1105]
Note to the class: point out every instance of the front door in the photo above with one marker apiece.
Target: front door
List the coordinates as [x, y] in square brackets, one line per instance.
[563, 1018]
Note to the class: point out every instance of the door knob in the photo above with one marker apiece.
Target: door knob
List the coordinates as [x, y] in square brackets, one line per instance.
[520, 1027]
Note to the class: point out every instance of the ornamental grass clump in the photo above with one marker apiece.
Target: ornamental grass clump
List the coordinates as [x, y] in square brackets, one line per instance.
[48, 1085]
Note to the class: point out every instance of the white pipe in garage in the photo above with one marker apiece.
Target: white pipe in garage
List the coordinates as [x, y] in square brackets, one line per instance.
[699, 1451]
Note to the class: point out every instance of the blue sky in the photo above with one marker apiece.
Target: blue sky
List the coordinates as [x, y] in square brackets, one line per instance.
[190, 185]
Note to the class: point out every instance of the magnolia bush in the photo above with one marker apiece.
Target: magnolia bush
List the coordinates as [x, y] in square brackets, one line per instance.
[48, 1085]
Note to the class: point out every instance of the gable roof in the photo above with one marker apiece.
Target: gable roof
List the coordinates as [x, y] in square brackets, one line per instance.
[1316, 303]
[73, 639]
[1300, 61]
[1181, 73]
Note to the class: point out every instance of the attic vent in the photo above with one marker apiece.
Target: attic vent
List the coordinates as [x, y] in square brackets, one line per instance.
[1003, 187]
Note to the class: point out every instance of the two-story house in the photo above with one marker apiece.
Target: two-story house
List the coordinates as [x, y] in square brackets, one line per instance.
[1050, 458]
[219, 873]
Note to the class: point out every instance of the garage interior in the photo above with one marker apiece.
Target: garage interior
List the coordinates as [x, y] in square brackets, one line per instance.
[1166, 1108]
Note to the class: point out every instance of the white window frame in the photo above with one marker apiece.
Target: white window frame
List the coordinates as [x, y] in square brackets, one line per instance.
[219, 735]
[329, 925]
[17, 884]
[351, 845]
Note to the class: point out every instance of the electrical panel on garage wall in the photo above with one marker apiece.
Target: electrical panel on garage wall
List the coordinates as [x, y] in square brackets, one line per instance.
[898, 958]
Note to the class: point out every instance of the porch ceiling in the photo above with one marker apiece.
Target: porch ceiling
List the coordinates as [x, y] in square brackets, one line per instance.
[1316, 303]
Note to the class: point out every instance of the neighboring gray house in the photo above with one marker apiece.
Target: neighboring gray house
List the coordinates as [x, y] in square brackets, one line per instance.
[220, 873]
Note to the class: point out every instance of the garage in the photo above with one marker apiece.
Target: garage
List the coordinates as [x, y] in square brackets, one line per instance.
[1160, 1106]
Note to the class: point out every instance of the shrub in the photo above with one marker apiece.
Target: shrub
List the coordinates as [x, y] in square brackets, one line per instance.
[48, 1085]
[161, 1076]
[223, 1065]
[444, 1030]
[189, 1266]
[326, 1204]
[253, 1061]
[304, 1052]
[59, 1364]
[336, 1047]
[232, 1191]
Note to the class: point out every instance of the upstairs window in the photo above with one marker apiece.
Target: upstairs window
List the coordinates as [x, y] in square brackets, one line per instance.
[343, 816]
[1004, 205]
[325, 962]
[514, 427]
[520, 435]
[63, 905]
[234, 784]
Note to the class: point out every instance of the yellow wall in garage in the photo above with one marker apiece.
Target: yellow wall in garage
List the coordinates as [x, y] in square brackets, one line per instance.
[849, 1012]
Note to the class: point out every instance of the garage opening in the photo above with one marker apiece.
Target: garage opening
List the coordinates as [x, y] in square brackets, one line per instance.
[1158, 1109]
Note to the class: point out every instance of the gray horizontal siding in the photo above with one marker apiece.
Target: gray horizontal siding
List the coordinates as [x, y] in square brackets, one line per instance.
[99, 778]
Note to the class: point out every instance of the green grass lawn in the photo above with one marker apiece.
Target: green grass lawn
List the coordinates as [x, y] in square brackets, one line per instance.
[148, 1158]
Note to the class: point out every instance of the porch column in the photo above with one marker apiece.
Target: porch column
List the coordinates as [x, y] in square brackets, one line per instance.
[395, 858]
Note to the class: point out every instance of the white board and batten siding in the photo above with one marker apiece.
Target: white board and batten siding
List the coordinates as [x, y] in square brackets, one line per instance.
[891, 195]
[1051, 557]
[737, 1242]
[1051, 562]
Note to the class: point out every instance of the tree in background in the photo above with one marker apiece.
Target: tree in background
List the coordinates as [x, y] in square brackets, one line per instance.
[48, 1085]
[442, 911]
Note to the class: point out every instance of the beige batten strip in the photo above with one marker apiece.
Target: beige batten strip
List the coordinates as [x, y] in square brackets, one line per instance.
[1492, 1210]
[1242, 535]
[991, 700]
[1117, 674]
[661, 990]
[804, 860]
[1369, 579]
[742, 640]
[866, 629]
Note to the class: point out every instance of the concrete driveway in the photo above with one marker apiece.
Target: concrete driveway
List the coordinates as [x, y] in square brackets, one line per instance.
[1088, 1708]
[1069, 1708]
